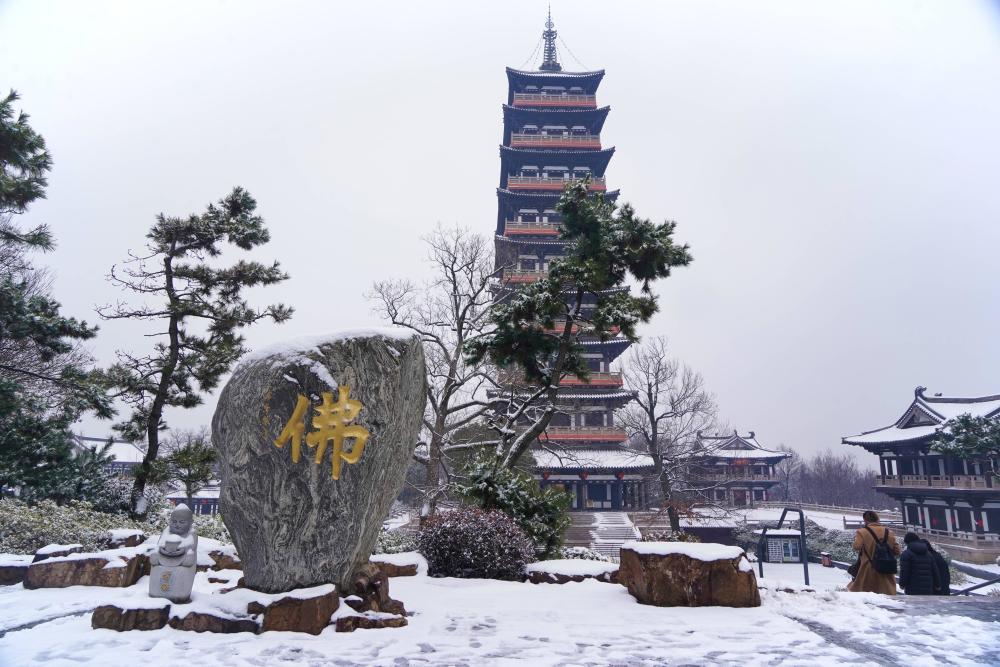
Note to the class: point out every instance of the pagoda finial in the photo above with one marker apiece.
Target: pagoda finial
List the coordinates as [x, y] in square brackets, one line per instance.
[550, 62]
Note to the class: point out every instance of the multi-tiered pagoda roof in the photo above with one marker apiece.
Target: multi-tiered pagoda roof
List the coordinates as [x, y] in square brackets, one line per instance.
[552, 128]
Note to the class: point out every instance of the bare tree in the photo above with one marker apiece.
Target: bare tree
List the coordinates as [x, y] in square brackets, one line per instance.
[789, 473]
[836, 479]
[670, 408]
[449, 311]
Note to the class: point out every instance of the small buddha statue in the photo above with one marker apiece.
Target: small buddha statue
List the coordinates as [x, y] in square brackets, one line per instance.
[175, 560]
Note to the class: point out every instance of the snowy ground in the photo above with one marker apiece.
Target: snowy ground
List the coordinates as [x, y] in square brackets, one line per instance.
[482, 622]
[828, 520]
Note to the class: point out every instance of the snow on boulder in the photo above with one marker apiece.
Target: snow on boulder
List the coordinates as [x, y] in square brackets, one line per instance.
[685, 574]
[56, 550]
[404, 564]
[567, 570]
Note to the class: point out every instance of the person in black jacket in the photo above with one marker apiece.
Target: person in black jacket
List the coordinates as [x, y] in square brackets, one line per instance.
[918, 574]
[944, 574]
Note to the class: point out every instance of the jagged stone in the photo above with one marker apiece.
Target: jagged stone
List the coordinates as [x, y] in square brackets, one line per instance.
[293, 524]
[195, 621]
[369, 622]
[113, 617]
[56, 550]
[225, 560]
[89, 571]
[119, 539]
[394, 570]
[372, 587]
[677, 579]
[536, 577]
[298, 613]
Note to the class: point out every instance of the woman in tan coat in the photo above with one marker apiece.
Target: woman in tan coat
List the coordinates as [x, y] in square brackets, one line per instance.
[869, 580]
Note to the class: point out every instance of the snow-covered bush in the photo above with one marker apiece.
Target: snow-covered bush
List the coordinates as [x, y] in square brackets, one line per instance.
[116, 491]
[669, 536]
[472, 543]
[582, 553]
[395, 542]
[543, 514]
[26, 528]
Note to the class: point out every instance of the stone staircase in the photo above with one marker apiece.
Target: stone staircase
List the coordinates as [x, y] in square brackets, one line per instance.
[604, 532]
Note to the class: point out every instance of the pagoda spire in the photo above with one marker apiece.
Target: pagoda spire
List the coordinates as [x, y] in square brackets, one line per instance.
[549, 61]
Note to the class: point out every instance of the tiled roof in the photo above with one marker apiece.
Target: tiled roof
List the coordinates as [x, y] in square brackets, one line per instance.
[592, 459]
[925, 416]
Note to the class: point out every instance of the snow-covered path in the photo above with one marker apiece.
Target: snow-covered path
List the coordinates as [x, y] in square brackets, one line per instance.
[481, 622]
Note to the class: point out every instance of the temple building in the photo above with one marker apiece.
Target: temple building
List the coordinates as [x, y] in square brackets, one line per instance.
[950, 500]
[552, 136]
[733, 469]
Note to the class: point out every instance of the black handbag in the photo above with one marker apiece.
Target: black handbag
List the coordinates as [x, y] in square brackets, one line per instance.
[855, 566]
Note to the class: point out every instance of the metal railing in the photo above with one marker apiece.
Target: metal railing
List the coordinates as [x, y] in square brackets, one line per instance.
[535, 99]
[553, 140]
[737, 477]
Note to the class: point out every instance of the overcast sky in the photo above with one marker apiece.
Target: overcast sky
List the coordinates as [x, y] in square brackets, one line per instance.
[835, 167]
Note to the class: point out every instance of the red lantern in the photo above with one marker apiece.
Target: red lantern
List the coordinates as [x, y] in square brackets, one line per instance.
[620, 475]
[583, 475]
[546, 475]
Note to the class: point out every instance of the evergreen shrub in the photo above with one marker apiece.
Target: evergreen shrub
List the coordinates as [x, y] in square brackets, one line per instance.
[582, 553]
[543, 514]
[395, 541]
[669, 536]
[472, 543]
[26, 528]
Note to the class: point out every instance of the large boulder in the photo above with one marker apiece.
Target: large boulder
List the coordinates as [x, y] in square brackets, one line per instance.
[295, 521]
[112, 569]
[13, 568]
[683, 574]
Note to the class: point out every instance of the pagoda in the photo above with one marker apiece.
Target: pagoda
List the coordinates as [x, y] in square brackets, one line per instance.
[551, 137]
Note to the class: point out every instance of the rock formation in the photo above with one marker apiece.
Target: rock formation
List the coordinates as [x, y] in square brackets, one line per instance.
[314, 440]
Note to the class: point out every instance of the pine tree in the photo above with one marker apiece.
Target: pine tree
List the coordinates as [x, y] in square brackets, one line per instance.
[190, 463]
[583, 294]
[971, 437]
[45, 382]
[202, 308]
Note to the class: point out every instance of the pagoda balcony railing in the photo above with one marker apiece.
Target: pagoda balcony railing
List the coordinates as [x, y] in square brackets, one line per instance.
[518, 140]
[957, 535]
[937, 481]
[517, 276]
[596, 379]
[606, 433]
[556, 184]
[517, 228]
[722, 477]
[537, 100]
[560, 326]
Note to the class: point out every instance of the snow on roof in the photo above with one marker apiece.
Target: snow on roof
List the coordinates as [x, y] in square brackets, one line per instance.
[590, 458]
[735, 446]
[746, 453]
[698, 551]
[778, 532]
[925, 416]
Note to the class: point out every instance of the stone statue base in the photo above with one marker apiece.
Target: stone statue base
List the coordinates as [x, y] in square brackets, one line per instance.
[173, 582]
